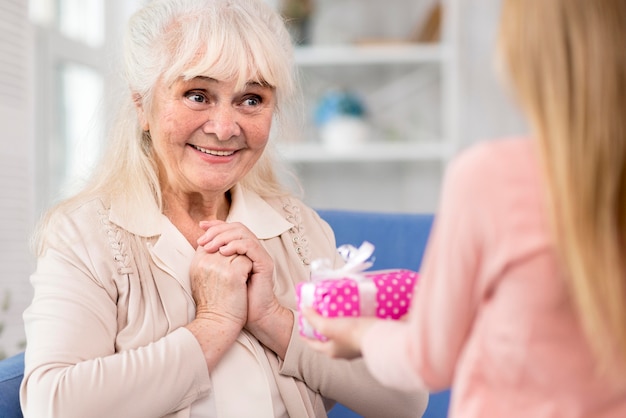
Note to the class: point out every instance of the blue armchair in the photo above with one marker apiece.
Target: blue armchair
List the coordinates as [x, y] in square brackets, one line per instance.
[11, 374]
[399, 239]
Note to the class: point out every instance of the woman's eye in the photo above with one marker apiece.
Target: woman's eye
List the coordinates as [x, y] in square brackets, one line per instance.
[252, 101]
[196, 97]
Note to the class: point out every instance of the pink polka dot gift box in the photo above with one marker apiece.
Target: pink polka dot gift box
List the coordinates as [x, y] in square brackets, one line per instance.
[352, 291]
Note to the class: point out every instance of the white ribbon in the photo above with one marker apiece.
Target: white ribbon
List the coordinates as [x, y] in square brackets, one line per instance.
[356, 262]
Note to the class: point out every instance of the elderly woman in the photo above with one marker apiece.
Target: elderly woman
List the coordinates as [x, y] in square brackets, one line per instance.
[166, 287]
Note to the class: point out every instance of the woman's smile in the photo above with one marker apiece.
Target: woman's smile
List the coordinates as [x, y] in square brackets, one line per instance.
[217, 153]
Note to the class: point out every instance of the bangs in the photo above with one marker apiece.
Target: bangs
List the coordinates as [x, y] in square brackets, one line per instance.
[230, 60]
[244, 55]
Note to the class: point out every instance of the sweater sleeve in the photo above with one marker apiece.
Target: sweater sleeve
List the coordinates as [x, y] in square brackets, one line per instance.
[423, 352]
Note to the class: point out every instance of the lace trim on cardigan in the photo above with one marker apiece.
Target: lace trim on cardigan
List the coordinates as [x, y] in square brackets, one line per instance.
[299, 240]
[118, 246]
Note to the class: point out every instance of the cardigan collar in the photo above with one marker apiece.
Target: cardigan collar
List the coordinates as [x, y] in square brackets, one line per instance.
[246, 207]
[171, 251]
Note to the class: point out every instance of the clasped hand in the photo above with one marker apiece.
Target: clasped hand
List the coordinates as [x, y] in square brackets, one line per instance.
[232, 275]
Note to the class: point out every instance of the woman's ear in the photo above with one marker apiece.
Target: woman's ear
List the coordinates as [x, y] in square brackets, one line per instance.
[141, 112]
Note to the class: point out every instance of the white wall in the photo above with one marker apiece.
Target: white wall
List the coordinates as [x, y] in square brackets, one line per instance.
[486, 111]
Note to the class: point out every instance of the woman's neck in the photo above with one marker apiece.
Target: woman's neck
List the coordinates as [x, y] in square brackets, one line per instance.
[186, 211]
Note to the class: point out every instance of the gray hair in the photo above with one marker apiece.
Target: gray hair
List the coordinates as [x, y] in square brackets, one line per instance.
[245, 40]
[222, 39]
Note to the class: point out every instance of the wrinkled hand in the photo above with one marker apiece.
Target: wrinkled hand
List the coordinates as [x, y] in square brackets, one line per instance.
[229, 239]
[218, 286]
[344, 334]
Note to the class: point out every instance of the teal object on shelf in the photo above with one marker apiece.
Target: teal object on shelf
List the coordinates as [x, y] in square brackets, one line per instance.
[338, 103]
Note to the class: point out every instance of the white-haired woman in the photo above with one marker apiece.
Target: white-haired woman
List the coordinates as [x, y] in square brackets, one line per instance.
[166, 287]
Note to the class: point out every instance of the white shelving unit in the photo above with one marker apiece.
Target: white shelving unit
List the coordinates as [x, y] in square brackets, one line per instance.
[379, 151]
[410, 89]
[368, 54]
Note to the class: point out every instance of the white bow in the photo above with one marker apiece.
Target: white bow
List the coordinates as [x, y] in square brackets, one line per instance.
[356, 262]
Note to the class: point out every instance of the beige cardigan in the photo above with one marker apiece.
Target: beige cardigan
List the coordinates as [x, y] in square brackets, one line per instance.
[105, 328]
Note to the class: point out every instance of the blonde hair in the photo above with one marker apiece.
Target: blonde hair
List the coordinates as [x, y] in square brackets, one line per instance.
[566, 61]
[168, 39]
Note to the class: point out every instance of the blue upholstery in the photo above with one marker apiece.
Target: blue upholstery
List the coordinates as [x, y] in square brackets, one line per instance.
[11, 374]
[399, 240]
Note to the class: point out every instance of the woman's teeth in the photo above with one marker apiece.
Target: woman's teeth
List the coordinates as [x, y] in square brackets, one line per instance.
[213, 152]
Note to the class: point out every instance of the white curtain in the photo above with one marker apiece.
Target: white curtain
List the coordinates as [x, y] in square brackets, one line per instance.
[17, 156]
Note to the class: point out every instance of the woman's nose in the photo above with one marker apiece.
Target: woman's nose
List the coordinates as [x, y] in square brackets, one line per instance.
[223, 123]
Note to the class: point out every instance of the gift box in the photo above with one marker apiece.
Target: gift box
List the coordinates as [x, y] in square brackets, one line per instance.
[351, 291]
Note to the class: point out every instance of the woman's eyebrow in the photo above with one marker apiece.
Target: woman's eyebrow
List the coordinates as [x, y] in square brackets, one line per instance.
[251, 83]
[259, 83]
[204, 78]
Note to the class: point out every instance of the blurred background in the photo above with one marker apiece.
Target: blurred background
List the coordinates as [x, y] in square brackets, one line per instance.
[392, 90]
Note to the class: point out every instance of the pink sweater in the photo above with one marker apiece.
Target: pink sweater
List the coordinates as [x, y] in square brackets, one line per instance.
[491, 316]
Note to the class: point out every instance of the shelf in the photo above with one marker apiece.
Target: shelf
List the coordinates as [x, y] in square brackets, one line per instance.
[394, 53]
[370, 152]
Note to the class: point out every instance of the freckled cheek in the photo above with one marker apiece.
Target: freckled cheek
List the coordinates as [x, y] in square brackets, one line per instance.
[258, 142]
[176, 119]
[259, 136]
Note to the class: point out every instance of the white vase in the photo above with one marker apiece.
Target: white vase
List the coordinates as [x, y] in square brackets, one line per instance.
[344, 133]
